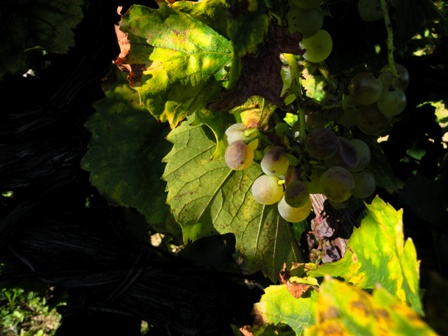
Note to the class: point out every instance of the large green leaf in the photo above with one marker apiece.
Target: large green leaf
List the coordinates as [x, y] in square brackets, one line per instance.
[125, 154]
[206, 198]
[187, 64]
[377, 254]
[27, 24]
[343, 309]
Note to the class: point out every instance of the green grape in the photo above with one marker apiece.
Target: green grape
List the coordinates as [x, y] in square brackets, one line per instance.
[365, 88]
[370, 10]
[267, 190]
[238, 155]
[364, 154]
[371, 121]
[387, 78]
[291, 214]
[346, 155]
[307, 4]
[337, 184]
[321, 143]
[275, 162]
[296, 194]
[306, 21]
[236, 132]
[392, 102]
[317, 47]
[313, 180]
[365, 184]
[350, 108]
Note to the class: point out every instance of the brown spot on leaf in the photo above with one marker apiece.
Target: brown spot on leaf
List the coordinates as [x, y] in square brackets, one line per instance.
[297, 289]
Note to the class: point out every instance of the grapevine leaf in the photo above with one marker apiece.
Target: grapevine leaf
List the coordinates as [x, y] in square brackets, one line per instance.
[376, 255]
[206, 198]
[278, 305]
[45, 24]
[343, 309]
[125, 154]
[186, 66]
[209, 12]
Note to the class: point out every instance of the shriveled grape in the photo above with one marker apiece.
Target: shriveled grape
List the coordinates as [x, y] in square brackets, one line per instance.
[337, 184]
[365, 88]
[296, 194]
[321, 143]
[238, 155]
[267, 190]
[275, 162]
[291, 214]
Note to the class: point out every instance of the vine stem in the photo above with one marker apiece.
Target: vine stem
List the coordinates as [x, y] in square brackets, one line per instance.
[390, 39]
[290, 58]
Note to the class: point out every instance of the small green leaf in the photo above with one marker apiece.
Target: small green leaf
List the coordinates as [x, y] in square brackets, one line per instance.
[343, 309]
[186, 65]
[206, 198]
[278, 305]
[377, 254]
[125, 154]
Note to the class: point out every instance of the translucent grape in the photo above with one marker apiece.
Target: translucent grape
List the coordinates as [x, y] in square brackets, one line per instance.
[365, 184]
[392, 101]
[346, 155]
[350, 108]
[337, 184]
[275, 162]
[291, 214]
[371, 121]
[313, 180]
[364, 154]
[365, 88]
[238, 155]
[317, 47]
[236, 132]
[296, 194]
[386, 77]
[267, 190]
[306, 21]
[305, 3]
[370, 10]
[321, 143]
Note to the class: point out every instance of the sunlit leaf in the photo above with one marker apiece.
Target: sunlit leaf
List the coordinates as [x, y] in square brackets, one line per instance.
[377, 254]
[278, 305]
[206, 198]
[186, 65]
[125, 154]
[343, 309]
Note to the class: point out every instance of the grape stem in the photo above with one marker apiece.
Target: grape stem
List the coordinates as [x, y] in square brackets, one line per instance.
[390, 39]
[296, 74]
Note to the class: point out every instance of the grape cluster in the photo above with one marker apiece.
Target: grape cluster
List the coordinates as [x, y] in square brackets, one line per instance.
[330, 164]
[320, 153]
[373, 101]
